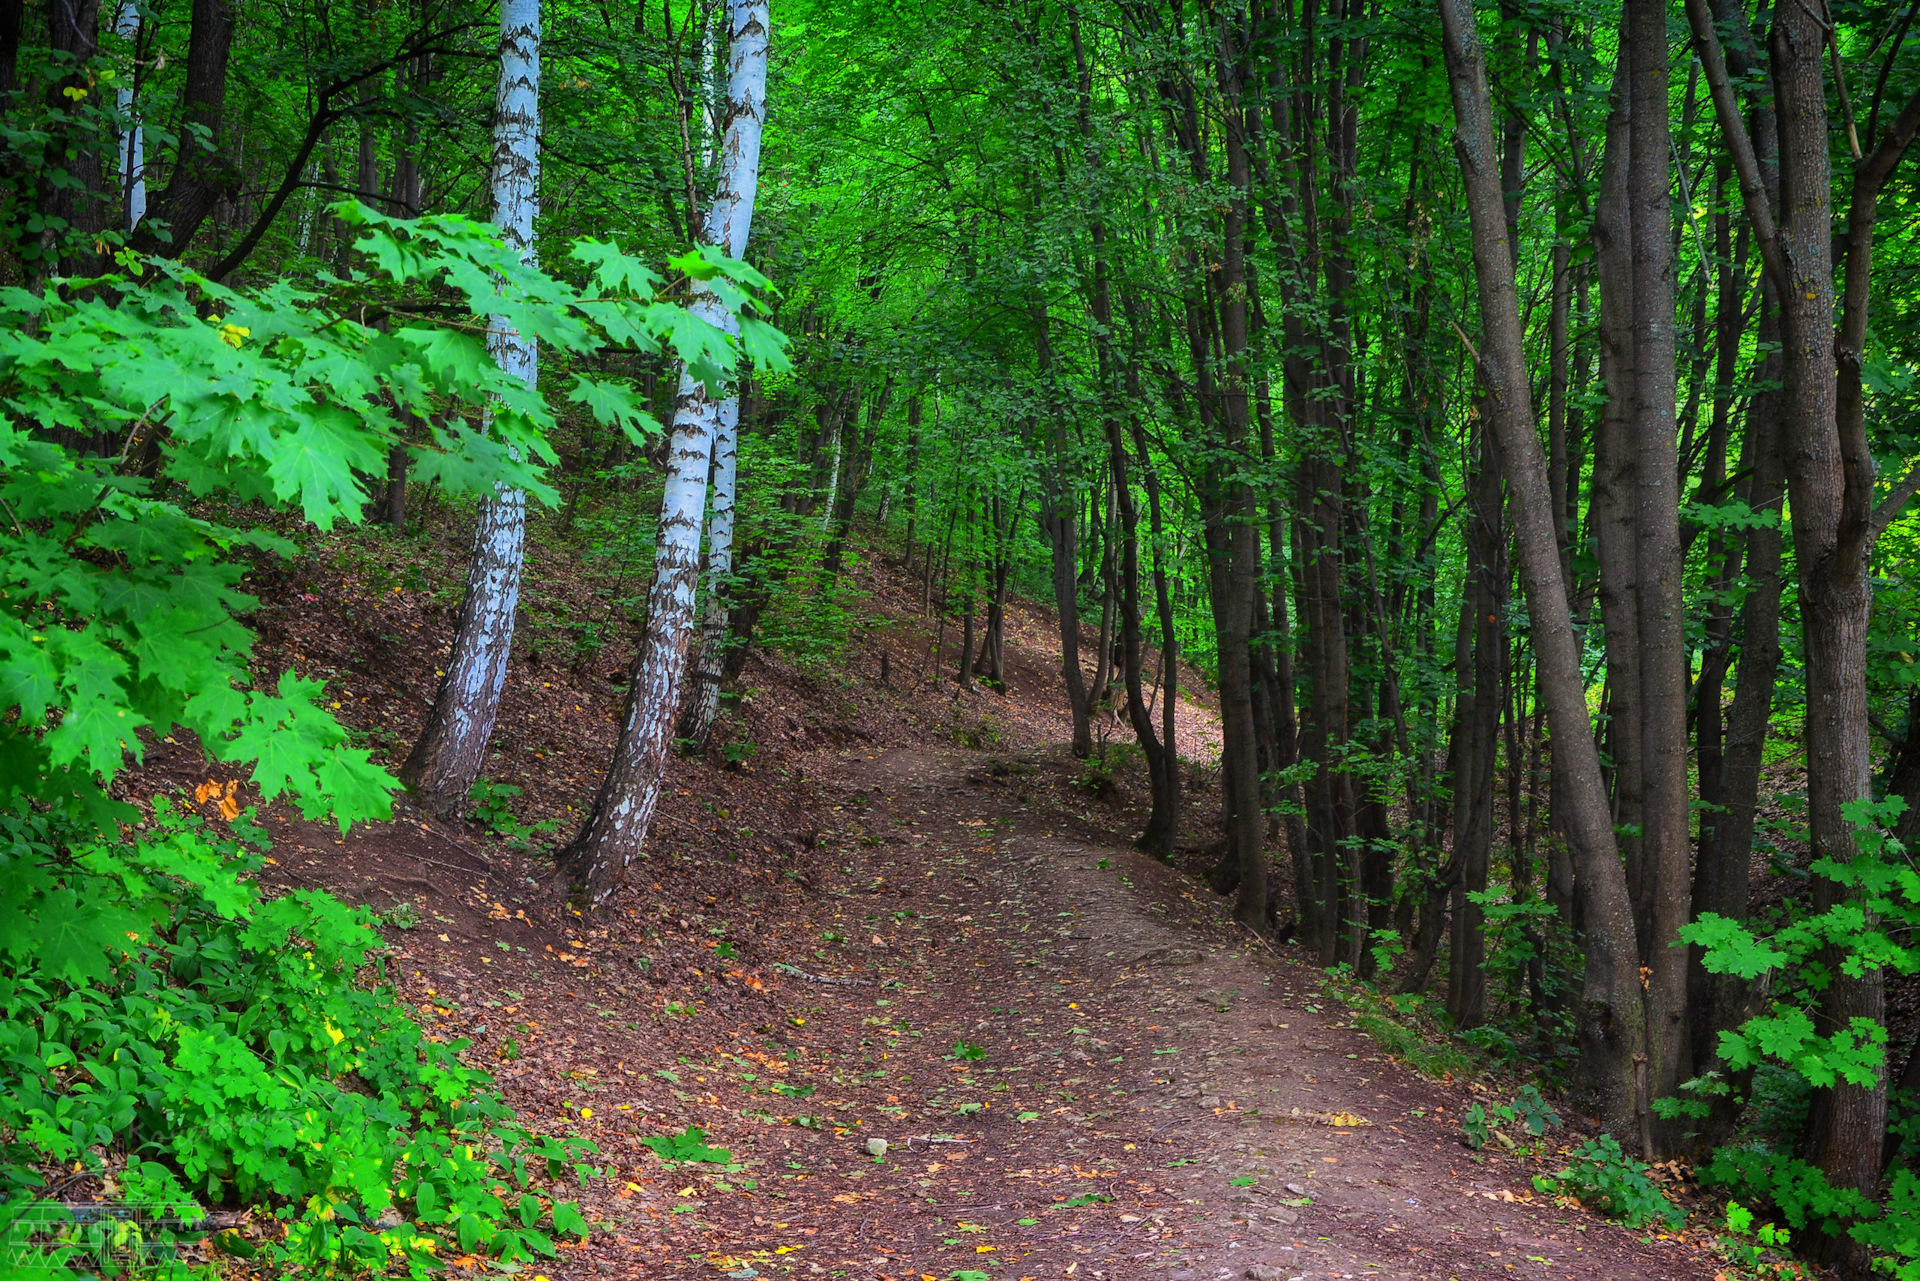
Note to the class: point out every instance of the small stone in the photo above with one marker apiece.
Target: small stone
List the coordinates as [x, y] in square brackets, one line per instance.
[876, 1147]
[1265, 1272]
[1296, 1189]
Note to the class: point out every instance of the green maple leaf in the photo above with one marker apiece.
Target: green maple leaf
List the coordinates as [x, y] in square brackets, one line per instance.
[29, 677]
[454, 358]
[285, 737]
[74, 935]
[353, 787]
[615, 406]
[317, 465]
[614, 270]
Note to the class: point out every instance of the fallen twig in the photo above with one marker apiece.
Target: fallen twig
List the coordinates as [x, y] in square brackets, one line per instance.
[799, 973]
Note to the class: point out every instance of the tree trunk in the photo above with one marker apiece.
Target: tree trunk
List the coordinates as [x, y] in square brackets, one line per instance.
[1666, 841]
[703, 701]
[200, 176]
[1610, 1021]
[452, 747]
[1062, 525]
[622, 811]
[1477, 714]
[133, 150]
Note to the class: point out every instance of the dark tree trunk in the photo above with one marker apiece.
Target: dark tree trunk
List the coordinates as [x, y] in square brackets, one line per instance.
[1477, 715]
[1611, 1021]
[200, 177]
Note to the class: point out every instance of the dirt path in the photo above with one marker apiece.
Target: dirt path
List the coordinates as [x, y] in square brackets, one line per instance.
[1155, 1093]
[1080, 1067]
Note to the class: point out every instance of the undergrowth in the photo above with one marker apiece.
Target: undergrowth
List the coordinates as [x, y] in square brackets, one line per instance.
[227, 1053]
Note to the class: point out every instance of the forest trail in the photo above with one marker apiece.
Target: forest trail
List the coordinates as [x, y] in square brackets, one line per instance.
[815, 942]
[1192, 1076]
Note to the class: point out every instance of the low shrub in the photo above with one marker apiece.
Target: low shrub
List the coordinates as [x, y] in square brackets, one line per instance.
[223, 1051]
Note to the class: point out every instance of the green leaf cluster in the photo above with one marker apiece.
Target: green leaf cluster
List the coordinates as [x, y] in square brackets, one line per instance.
[172, 1034]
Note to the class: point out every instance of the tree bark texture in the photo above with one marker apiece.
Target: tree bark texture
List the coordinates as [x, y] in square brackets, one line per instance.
[452, 748]
[622, 811]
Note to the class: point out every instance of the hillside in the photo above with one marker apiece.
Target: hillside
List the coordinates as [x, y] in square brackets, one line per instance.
[888, 913]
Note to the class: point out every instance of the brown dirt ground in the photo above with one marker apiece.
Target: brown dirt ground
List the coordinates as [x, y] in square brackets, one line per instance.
[813, 932]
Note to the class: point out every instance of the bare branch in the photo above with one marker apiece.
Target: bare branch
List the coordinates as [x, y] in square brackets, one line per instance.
[1890, 506]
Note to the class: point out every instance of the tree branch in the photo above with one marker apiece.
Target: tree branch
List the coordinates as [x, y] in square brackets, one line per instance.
[1746, 165]
[1890, 506]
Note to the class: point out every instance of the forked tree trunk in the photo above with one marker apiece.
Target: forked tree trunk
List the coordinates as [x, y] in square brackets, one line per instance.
[1611, 1022]
[622, 811]
[1830, 479]
[452, 748]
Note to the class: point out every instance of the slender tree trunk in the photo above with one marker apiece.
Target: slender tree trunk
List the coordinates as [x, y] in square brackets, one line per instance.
[1233, 610]
[452, 748]
[1610, 1020]
[1478, 716]
[616, 827]
[709, 669]
[1616, 475]
[910, 495]
[133, 151]
[1062, 525]
[1666, 841]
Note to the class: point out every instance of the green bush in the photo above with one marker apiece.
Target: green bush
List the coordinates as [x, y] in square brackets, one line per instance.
[493, 810]
[170, 1036]
[177, 1039]
[1608, 1181]
[1528, 1111]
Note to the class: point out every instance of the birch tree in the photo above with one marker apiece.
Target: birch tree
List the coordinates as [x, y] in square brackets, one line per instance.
[616, 827]
[133, 178]
[453, 747]
[709, 669]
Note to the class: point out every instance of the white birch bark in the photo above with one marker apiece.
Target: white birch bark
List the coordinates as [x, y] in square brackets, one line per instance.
[709, 669]
[616, 827]
[833, 477]
[452, 748]
[133, 158]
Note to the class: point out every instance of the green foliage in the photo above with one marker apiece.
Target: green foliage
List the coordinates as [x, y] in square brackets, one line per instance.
[493, 810]
[1102, 766]
[968, 1050]
[1403, 1028]
[1528, 1111]
[1749, 1246]
[1608, 1181]
[121, 601]
[1386, 947]
[687, 1146]
[1803, 1195]
[175, 1035]
[1694, 1098]
[1871, 928]
[170, 1033]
